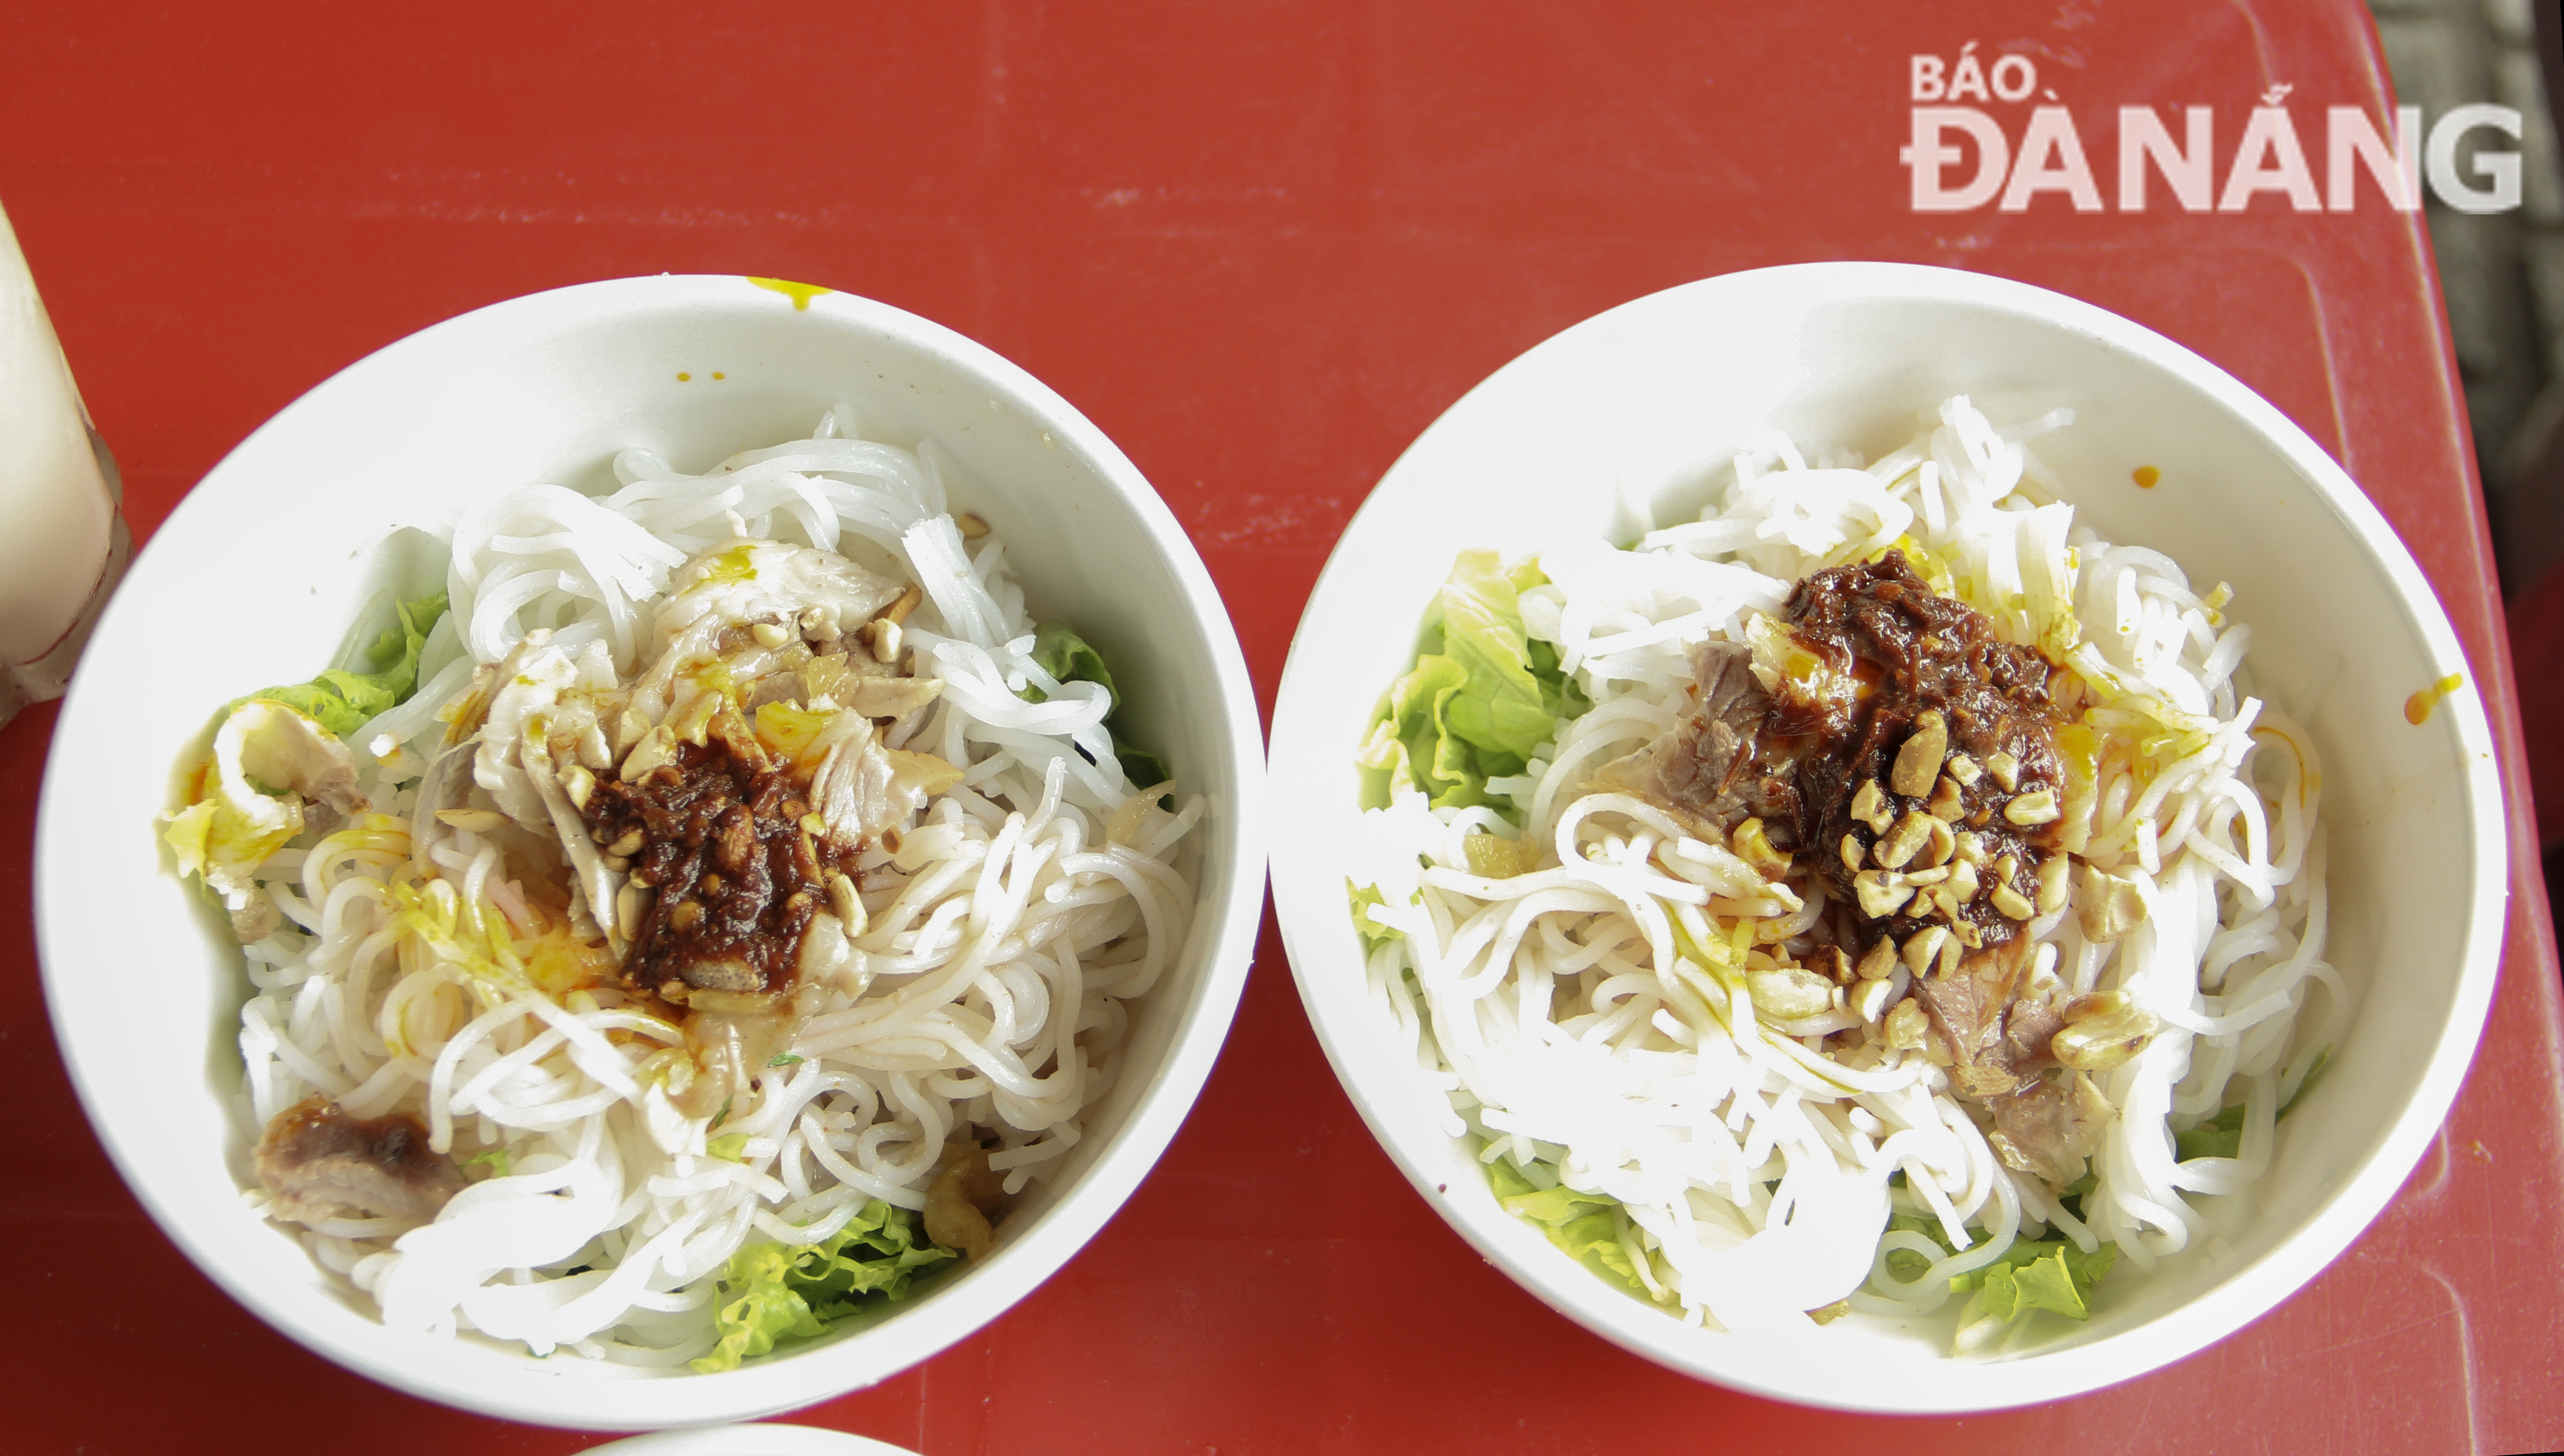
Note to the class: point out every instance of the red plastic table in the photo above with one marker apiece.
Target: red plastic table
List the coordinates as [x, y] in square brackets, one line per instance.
[1262, 245]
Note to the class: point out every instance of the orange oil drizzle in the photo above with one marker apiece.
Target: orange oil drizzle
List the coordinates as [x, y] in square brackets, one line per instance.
[799, 293]
[2417, 708]
[2146, 476]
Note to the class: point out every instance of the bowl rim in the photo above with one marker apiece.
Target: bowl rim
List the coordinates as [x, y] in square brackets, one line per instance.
[1316, 928]
[543, 1395]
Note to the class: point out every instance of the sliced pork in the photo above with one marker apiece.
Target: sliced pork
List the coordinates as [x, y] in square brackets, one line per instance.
[1890, 743]
[319, 1163]
[1721, 766]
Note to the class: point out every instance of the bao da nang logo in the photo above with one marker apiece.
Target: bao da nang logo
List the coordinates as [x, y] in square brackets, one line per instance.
[1987, 133]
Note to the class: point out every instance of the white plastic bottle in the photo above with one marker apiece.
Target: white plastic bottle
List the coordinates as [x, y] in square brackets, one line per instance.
[63, 543]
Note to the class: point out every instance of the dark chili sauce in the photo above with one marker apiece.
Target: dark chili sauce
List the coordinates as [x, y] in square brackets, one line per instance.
[735, 876]
[1911, 649]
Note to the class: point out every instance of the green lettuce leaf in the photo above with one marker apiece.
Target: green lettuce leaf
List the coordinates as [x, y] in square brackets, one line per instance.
[1374, 933]
[1411, 741]
[2045, 1274]
[344, 701]
[2219, 1137]
[1481, 699]
[775, 1291]
[1071, 659]
[2051, 1274]
[1905, 1263]
[2087, 1268]
[2006, 1290]
[1499, 708]
[1138, 764]
[1592, 1238]
[2222, 1134]
[762, 1309]
[1060, 652]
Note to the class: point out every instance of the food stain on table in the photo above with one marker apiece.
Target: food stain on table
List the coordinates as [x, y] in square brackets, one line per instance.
[2417, 708]
[2145, 476]
[799, 293]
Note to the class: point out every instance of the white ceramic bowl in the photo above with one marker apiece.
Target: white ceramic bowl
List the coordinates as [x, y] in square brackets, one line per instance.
[1617, 419]
[254, 580]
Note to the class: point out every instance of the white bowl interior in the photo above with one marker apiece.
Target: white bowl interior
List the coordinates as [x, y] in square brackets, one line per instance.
[1616, 424]
[257, 578]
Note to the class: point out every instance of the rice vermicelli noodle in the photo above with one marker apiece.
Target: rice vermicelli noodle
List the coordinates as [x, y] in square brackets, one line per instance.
[1982, 1044]
[736, 919]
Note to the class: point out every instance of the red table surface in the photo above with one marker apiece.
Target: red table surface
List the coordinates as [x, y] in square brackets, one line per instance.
[1262, 246]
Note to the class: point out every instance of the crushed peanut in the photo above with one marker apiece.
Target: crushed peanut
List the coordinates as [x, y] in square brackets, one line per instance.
[2108, 906]
[1906, 1025]
[1870, 808]
[1898, 846]
[1869, 1000]
[1919, 761]
[1880, 963]
[1923, 946]
[1881, 893]
[2039, 806]
[2102, 1032]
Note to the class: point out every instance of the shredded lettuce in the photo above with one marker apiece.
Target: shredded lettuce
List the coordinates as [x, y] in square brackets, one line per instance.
[1138, 766]
[1072, 659]
[1374, 933]
[778, 1292]
[2041, 1274]
[2222, 1134]
[1481, 699]
[1585, 1225]
[2055, 1275]
[2219, 1137]
[344, 701]
[1905, 1263]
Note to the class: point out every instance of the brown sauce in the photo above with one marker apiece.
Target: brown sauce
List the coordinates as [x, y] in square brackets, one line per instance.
[1912, 650]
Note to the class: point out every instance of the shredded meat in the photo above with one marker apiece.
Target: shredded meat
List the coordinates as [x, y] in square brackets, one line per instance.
[1721, 766]
[319, 1163]
[716, 836]
[1996, 1035]
[2049, 1126]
